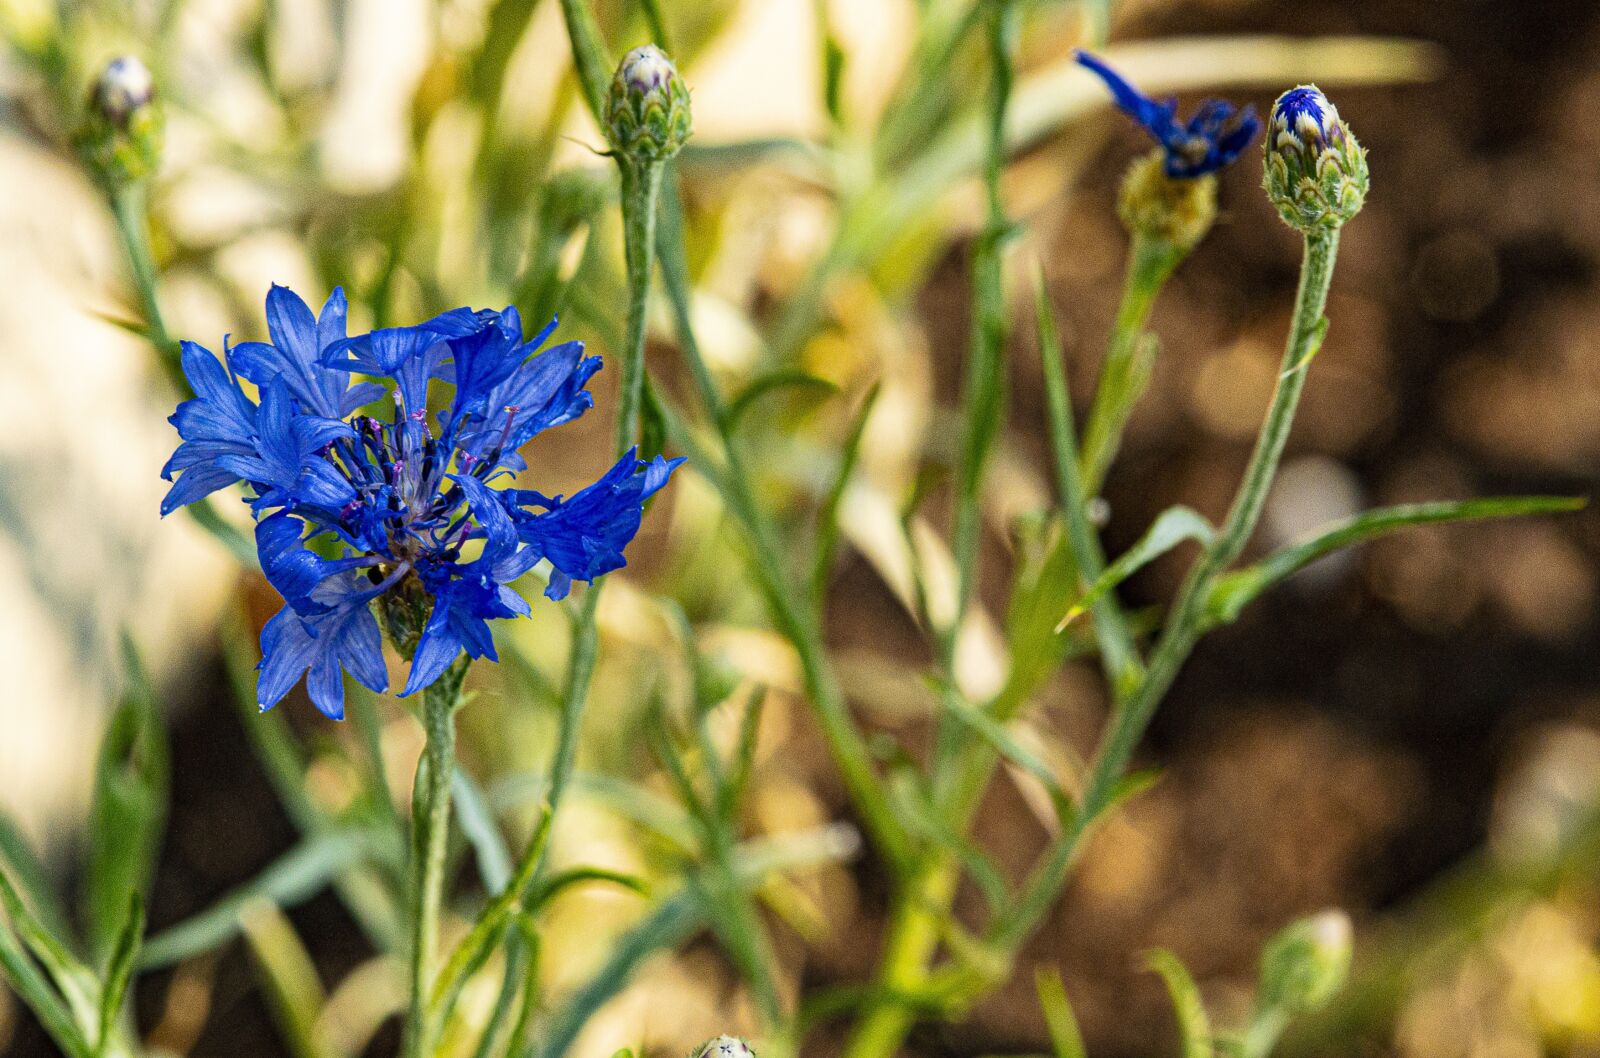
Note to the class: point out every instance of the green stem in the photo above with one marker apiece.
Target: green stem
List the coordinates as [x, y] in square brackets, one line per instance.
[801, 626]
[925, 898]
[430, 808]
[1185, 620]
[1150, 264]
[580, 671]
[984, 389]
[641, 185]
[907, 954]
[907, 951]
[128, 205]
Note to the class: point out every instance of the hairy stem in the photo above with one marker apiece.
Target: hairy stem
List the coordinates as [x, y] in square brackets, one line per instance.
[881, 1034]
[1185, 619]
[800, 624]
[128, 206]
[641, 185]
[1150, 264]
[430, 823]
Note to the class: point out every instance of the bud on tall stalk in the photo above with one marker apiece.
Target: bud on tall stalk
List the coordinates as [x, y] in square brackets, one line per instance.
[647, 109]
[724, 1047]
[120, 137]
[1306, 964]
[1316, 171]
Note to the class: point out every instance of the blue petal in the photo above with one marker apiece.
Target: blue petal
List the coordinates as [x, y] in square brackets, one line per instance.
[1212, 139]
[294, 569]
[287, 647]
[196, 484]
[344, 637]
[488, 505]
[437, 648]
[584, 537]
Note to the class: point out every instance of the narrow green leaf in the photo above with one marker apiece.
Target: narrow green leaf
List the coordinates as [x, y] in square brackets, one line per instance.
[1194, 1027]
[915, 807]
[719, 159]
[589, 57]
[645, 808]
[128, 813]
[654, 426]
[672, 921]
[1130, 786]
[481, 831]
[659, 734]
[474, 949]
[828, 513]
[744, 756]
[657, 23]
[516, 966]
[293, 990]
[1006, 744]
[1065, 1039]
[1233, 591]
[772, 382]
[1045, 574]
[1118, 657]
[119, 972]
[736, 922]
[298, 875]
[1313, 347]
[47, 1005]
[225, 533]
[30, 877]
[549, 888]
[1173, 526]
[72, 979]
[467, 960]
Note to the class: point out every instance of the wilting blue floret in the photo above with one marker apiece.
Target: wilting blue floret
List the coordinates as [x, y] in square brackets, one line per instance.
[1216, 135]
[399, 504]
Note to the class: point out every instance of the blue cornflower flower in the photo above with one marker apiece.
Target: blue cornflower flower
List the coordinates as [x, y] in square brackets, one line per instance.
[395, 502]
[1216, 135]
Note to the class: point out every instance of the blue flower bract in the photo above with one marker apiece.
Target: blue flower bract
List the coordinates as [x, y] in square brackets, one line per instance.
[1217, 134]
[396, 501]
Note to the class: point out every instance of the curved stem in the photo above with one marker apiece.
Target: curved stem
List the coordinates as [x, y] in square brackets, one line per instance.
[925, 896]
[882, 1032]
[430, 821]
[1184, 620]
[641, 185]
[128, 206]
[800, 624]
[1150, 264]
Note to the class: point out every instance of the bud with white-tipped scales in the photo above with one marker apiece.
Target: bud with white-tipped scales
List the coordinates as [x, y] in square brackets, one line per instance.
[647, 109]
[724, 1047]
[120, 137]
[1305, 965]
[1316, 171]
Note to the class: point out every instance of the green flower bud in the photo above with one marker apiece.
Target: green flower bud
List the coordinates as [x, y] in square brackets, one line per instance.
[1174, 210]
[1316, 172]
[647, 110]
[120, 138]
[1305, 965]
[724, 1047]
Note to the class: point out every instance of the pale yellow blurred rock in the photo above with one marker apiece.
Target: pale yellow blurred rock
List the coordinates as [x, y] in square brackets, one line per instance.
[83, 552]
